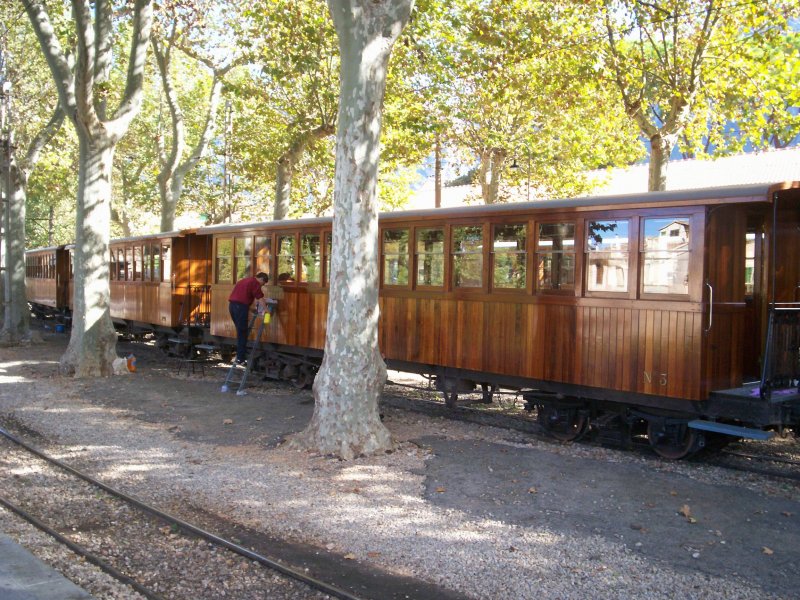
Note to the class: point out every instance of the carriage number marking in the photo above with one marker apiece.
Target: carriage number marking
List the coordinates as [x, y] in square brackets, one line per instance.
[662, 378]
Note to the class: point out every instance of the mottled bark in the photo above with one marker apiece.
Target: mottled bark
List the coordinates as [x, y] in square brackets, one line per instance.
[346, 422]
[286, 166]
[92, 346]
[660, 150]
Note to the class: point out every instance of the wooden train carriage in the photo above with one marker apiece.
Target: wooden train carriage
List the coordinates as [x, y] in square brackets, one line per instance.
[160, 281]
[46, 276]
[652, 300]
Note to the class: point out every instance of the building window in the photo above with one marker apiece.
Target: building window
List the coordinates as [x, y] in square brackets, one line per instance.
[468, 256]
[243, 257]
[607, 248]
[555, 256]
[224, 261]
[665, 255]
[287, 261]
[395, 257]
[430, 257]
[510, 256]
[310, 257]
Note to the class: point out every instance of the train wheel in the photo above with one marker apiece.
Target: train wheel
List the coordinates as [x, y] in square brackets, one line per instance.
[672, 441]
[304, 378]
[565, 424]
[487, 391]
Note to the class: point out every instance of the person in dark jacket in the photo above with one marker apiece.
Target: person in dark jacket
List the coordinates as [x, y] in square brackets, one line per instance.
[244, 293]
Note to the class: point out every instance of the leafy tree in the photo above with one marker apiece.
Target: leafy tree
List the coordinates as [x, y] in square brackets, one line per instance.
[23, 86]
[514, 83]
[347, 388]
[670, 58]
[85, 97]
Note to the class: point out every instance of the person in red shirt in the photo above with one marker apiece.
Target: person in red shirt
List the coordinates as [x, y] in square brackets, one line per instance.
[244, 292]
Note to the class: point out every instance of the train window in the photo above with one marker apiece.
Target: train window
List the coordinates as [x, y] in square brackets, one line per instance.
[395, 257]
[147, 263]
[607, 256]
[137, 263]
[263, 250]
[166, 263]
[129, 264]
[243, 257]
[157, 262]
[749, 263]
[555, 256]
[287, 261]
[112, 266]
[224, 261]
[310, 257]
[121, 264]
[468, 256]
[430, 257]
[509, 256]
[665, 255]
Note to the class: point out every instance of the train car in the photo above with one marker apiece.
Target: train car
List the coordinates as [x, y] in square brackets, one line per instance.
[47, 273]
[674, 314]
[160, 282]
[674, 311]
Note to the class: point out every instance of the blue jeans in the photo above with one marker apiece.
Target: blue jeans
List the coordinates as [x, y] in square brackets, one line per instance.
[239, 314]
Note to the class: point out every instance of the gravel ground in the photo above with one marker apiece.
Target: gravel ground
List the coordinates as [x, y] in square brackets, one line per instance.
[371, 510]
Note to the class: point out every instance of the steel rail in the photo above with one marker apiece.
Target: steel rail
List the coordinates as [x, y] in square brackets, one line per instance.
[317, 584]
[81, 551]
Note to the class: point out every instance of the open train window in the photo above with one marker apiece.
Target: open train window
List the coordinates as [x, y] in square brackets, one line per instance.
[310, 258]
[263, 250]
[607, 256]
[468, 256]
[223, 267]
[555, 257]
[509, 256]
[287, 259]
[243, 257]
[430, 257]
[395, 257]
[665, 255]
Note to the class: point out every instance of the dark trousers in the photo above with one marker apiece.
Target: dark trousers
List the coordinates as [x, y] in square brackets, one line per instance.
[239, 314]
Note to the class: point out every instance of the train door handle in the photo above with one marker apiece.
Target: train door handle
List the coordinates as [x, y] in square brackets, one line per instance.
[710, 307]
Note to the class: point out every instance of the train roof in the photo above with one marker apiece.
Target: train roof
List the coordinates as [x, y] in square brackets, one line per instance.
[586, 202]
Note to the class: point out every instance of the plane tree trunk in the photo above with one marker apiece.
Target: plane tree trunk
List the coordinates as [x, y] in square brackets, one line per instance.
[346, 422]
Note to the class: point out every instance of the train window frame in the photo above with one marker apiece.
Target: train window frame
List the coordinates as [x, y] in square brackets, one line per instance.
[245, 257]
[156, 264]
[493, 257]
[121, 268]
[301, 263]
[112, 265]
[482, 255]
[444, 253]
[147, 262]
[539, 252]
[399, 255]
[228, 240]
[128, 263]
[286, 277]
[631, 274]
[641, 256]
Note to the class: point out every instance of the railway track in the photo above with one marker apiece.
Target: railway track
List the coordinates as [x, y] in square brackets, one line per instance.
[153, 552]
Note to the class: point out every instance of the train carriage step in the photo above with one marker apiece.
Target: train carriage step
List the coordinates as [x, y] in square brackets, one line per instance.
[734, 430]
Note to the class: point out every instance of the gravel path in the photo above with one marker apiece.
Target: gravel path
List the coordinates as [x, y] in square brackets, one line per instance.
[372, 510]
